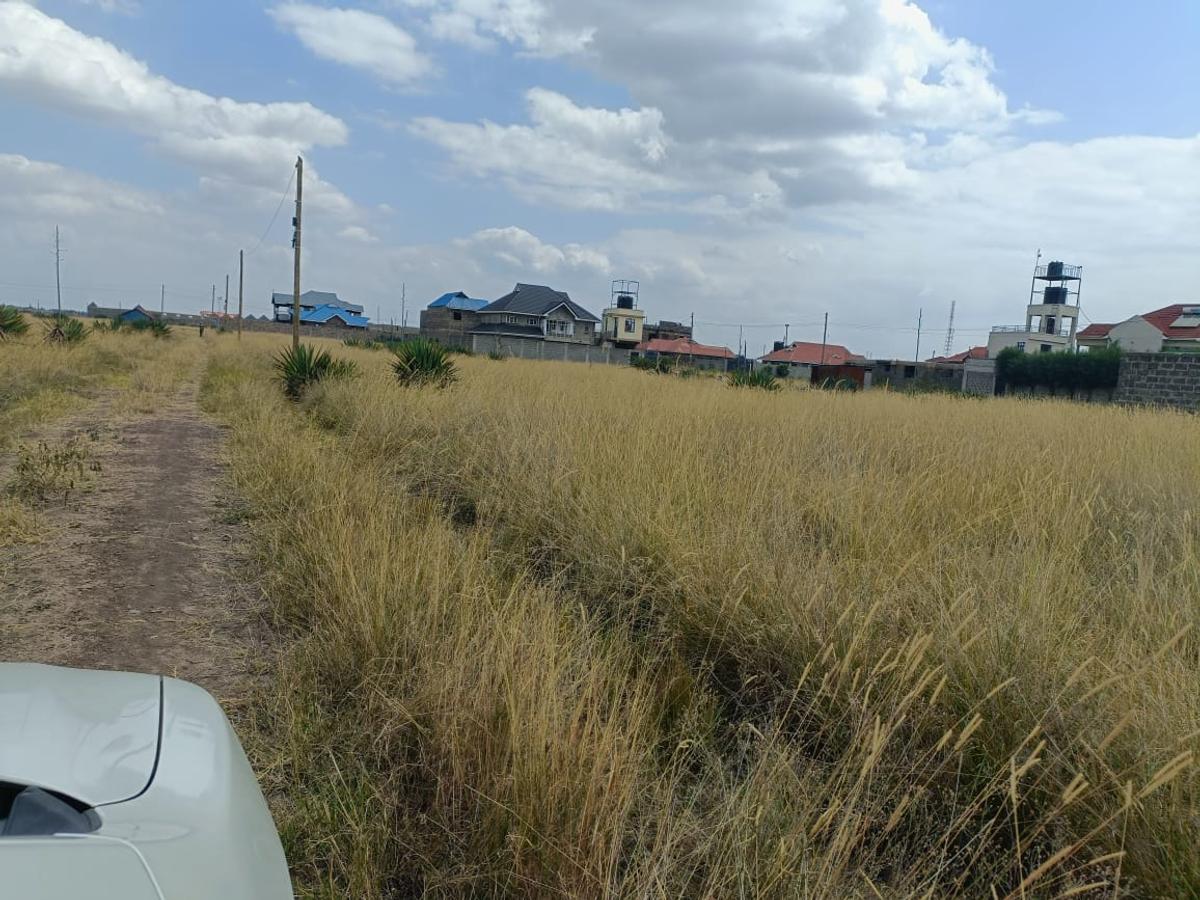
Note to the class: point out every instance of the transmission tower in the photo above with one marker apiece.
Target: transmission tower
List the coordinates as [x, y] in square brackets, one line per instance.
[950, 331]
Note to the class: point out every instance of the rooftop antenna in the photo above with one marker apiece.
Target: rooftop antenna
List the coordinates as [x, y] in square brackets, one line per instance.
[950, 330]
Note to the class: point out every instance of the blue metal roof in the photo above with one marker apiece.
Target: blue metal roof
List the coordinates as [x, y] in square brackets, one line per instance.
[322, 314]
[314, 300]
[458, 300]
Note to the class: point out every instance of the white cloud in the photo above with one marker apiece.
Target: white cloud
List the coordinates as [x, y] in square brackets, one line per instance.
[358, 234]
[522, 251]
[43, 60]
[570, 155]
[742, 108]
[358, 39]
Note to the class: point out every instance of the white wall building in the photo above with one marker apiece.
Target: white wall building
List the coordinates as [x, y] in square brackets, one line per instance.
[1052, 316]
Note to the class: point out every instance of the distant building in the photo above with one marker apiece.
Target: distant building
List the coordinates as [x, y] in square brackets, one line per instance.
[688, 353]
[1174, 328]
[668, 331]
[623, 322]
[797, 359]
[137, 314]
[1052, 316]
[450, 318]
[537, 312]
[973, 353]
[310, 301]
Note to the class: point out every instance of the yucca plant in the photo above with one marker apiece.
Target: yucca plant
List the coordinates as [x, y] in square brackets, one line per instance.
[298, 367]
[763, 379]
[12, 323]
[61, 329]
[156, 327]
[422, 361]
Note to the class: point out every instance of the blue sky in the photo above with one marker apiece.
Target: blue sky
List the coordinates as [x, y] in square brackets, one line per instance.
[753, 163]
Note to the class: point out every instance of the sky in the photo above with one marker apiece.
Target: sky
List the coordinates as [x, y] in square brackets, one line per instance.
[753, 164]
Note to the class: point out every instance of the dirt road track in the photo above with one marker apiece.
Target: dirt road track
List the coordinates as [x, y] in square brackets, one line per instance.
[139, 573]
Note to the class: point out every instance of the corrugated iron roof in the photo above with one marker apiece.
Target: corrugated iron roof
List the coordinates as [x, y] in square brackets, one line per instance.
[538, 300]
[314, 299]
[683, 347]
[806, 353]
[458, 300]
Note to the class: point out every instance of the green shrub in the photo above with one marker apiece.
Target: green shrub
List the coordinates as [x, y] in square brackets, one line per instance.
[62, 329]
[12, 323]
[156, 327]
[496, 356]
[1067, 371]
[362, 343]
[422, 361]
[298, 367]
[763, 379]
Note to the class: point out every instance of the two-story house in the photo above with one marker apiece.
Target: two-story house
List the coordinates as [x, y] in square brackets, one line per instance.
[534, 311]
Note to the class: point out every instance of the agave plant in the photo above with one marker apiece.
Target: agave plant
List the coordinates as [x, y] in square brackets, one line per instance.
[156, 327]
[62, 329]
[763, 379]
[12, 323]
[422, 361]
[298, 367]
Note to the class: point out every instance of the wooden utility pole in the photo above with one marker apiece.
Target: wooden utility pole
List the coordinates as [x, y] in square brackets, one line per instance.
[920, 315]
[227, 296]
[296, 247]
[162, 299]
[241, 282]
[58, 269]
[824, 336]
[212, 306]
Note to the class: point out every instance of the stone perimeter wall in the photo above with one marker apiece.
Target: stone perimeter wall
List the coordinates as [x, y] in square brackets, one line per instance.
[1160, 379]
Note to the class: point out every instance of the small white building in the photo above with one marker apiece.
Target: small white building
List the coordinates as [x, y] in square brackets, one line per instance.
[1052, 316]
[1174, 328]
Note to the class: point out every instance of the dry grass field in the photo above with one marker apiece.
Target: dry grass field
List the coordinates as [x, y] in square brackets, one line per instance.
[561, 630]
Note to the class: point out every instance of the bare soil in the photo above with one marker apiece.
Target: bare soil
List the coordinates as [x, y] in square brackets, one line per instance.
[143, 571]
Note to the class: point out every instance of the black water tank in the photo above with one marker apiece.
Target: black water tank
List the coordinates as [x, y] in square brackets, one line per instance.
[1057, 294]
[1054, 270]
[779, 345]
[624, 301]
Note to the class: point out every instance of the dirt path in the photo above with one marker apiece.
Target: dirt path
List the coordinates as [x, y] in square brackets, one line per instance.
[140, 572]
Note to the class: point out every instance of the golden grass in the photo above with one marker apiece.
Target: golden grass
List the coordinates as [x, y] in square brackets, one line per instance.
[579, 631]
[40, 383]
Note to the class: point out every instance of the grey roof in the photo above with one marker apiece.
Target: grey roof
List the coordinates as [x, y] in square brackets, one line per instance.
[537, 300]
[502, 328]
[313, 299]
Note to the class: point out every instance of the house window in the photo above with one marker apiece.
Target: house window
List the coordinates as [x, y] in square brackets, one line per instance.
[457, 316]
[1021, 346]
[1046, 348]
[629, 326]
[910, 371]
[560, 328]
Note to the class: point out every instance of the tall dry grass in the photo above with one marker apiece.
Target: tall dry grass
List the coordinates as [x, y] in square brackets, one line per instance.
[579, 631]
[40, 382]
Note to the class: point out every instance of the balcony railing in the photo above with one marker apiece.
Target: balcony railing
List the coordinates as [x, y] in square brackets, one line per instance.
[1061, 271]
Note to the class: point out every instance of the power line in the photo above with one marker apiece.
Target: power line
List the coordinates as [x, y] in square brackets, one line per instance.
[278, 208]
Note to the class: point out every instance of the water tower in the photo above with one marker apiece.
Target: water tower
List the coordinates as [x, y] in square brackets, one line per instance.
[1052, 316]
[623, 322]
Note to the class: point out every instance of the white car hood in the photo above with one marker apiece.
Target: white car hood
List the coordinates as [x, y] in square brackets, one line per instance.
[93, 736]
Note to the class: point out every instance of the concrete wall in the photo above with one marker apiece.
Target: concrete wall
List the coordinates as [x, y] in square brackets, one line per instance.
[1136, 335]
[532, 348]
[979, 377]
[441, 325]
[1163, 379]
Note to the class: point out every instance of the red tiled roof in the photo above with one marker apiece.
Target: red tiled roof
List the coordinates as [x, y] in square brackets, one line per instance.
[1162, 319]
[810, 354]
[1096, 330]
[973, 353]
[683, 347]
